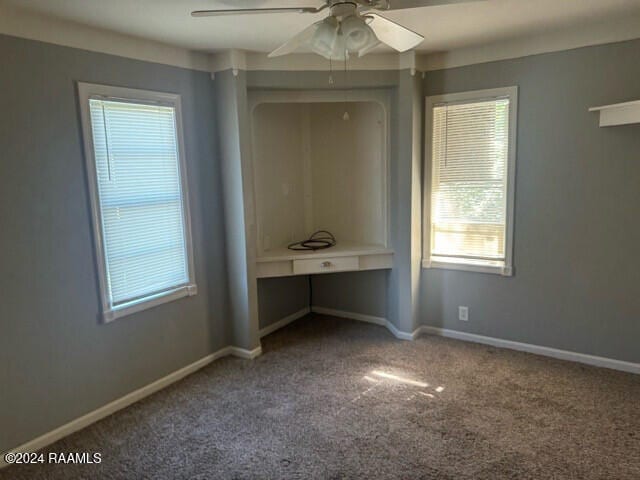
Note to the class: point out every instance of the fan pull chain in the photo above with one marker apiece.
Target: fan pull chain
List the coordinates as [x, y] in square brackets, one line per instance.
[331, 82]
[346, 116]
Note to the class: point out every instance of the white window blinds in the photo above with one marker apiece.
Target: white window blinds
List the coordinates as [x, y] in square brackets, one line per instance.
[141, 202]
[470, 153]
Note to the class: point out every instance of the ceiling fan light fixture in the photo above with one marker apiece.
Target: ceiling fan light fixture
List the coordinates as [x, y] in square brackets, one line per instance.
[325, 39]
[339, 52]
[347, 31]
[358, 36]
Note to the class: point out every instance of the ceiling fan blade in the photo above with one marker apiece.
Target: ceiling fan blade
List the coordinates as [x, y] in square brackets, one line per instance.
[295, 42]
[402, 4]
[254, 11]
[394, 34]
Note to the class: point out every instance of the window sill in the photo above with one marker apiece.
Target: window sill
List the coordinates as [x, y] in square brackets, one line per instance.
[505, 271]
[149, 302]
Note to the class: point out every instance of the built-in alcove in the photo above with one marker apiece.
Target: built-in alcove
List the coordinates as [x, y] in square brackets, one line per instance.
[315, 170]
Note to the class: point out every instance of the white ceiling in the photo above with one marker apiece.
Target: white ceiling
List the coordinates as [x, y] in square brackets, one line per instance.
[445, 27]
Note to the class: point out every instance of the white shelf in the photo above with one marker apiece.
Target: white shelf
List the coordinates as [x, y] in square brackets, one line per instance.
[618, 114]
[341, 249]
[342, 257]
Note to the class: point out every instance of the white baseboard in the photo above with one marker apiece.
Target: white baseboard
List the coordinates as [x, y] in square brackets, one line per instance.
[537, 349]
[244, 353]
[496, 342]
[399, 333]
[284, 322]
[351, 315]
[123, 402]
[366, 318]
[338, 313]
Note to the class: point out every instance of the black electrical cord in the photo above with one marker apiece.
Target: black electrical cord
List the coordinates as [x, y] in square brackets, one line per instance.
[318, 241]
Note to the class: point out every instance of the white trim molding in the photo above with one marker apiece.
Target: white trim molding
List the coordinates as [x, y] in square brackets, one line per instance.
[255, 61]
[496, 342]
[505, 271]
[368, 319]
[561, 39]
[19, 22]
[284, 322]
[129, 399]
[558, 40]
[399, 334]
[234, 60]
[503, 266]
[86, 92]
[244, 353]
[92, 417]
[350, 315]
[383, 322]
[536, 349]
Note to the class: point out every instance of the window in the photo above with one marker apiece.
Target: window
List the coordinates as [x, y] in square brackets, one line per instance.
[471, 168]
[135, 163]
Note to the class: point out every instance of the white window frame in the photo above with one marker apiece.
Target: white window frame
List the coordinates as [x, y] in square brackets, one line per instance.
[469, 97]
[86, 91]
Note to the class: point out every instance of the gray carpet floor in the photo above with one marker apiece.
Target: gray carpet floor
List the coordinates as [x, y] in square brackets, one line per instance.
[333, 398]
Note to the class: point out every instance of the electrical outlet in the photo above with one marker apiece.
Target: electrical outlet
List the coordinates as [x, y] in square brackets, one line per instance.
[463, 314]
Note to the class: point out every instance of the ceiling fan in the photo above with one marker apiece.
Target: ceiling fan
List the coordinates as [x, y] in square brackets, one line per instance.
[351, 27]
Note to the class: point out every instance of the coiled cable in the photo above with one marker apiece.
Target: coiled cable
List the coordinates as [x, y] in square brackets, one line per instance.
[318, 241]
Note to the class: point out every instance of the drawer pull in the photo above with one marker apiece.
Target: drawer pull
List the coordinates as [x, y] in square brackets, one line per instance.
[309, 266]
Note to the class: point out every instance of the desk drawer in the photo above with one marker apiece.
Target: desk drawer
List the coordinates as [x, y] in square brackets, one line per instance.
[325, 265]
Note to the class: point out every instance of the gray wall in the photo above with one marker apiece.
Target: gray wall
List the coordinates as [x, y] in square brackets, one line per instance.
[232, 134]
[577, 229]
[577, 273]
[355, 292]
[280, 297]
[57, 362]
[406, 202]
